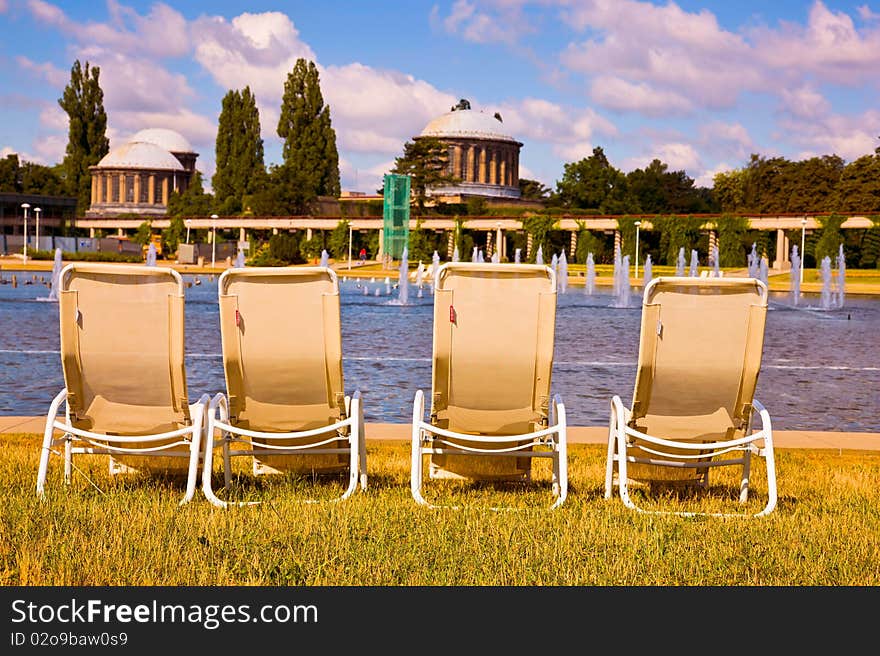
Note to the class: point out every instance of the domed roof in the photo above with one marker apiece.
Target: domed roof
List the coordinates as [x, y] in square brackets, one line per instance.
[172, 141]
[468, 123]
[140, 155]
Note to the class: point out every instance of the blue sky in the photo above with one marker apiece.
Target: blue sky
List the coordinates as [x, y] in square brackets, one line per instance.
[699, 85]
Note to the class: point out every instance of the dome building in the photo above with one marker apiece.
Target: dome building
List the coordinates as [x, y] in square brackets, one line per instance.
[481, 154]
[139, 176]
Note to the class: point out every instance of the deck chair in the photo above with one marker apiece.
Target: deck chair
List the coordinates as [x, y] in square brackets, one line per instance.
[699, 356]
[284, 405]
[122, 355]
[491, 413]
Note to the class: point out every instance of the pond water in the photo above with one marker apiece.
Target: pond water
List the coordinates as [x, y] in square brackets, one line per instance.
[820, 370]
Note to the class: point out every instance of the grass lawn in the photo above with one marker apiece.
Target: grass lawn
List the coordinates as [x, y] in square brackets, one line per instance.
[131, 531]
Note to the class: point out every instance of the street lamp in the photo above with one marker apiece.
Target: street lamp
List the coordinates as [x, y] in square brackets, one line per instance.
[637, 224]
[350, 234]
[25, 207]
[37, 211]
[803, 240]
[214, 218]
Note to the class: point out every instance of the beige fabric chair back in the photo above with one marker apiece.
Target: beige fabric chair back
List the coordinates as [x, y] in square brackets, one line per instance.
[122, 348]
[494, 328]
[282, 350]
[699, 357]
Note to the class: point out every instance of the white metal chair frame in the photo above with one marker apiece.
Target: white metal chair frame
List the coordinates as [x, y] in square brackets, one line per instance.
[101, 444]
[620, 436]
[551, 441]
[230, 434]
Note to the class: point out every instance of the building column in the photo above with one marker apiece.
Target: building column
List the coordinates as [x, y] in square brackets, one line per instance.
[781, 252]
[493, 167]
[471, 171]
[713, 242]
[499, 240]
[572, 249]
[482, 178]
[94, 194]
[381, 254]
[137, 188]
[489, 245]
[151, 189]
[121, 197]
[528, 245]
[165, 193]
[618, 243]
[120, 232]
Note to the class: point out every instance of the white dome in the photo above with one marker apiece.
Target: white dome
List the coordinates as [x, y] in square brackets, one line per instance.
[172, 141]
[140, 155]
[467, 123]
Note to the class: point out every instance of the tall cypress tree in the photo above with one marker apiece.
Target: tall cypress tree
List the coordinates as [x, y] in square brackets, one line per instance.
[310, 154]
[87, 142]
[239, 151]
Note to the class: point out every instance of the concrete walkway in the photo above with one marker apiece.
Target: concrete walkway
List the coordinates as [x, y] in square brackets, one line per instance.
[576, 435]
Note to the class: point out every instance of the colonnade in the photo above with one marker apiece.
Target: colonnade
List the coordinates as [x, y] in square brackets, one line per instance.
[484, 162]
[135, 189]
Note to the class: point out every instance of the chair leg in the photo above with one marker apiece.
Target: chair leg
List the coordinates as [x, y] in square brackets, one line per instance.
[609, 460]
[746, 474]
[48, 435]
[416, 473]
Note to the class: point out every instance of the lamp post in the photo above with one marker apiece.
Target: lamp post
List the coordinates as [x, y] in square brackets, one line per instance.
[350, 235]
[25, 207]
[214, 218]
[803, 241]
[637, 224]
[37, 211]
[187, 230]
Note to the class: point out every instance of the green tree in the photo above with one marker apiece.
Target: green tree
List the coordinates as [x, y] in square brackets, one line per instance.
[240, 170]
[830, 237]
[87, 142]
[540, 227]
[337, 242]
[656, 190]
[192, 202]
[587, 243]
[593, 184]
[285, 247]
[859, 187]
[419, 246]
[311, 160]
[173, 235]
[811, 183]
[426, 161]
[732, 231]
[143, 234]
[533, 190]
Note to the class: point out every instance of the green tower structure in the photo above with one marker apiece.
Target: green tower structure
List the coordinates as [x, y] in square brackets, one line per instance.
[395, 231]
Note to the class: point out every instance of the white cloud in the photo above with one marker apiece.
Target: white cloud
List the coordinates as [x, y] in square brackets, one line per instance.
[52, 74]
[502, 23]
[707, 177]
[850, 137]
[804, 102]
[377, 110]
[829, 46]
[618, 94]
[678, 156]
[256, 50]
[161, 33]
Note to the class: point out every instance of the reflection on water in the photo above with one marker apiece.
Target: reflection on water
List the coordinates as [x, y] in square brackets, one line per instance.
[821, 369]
